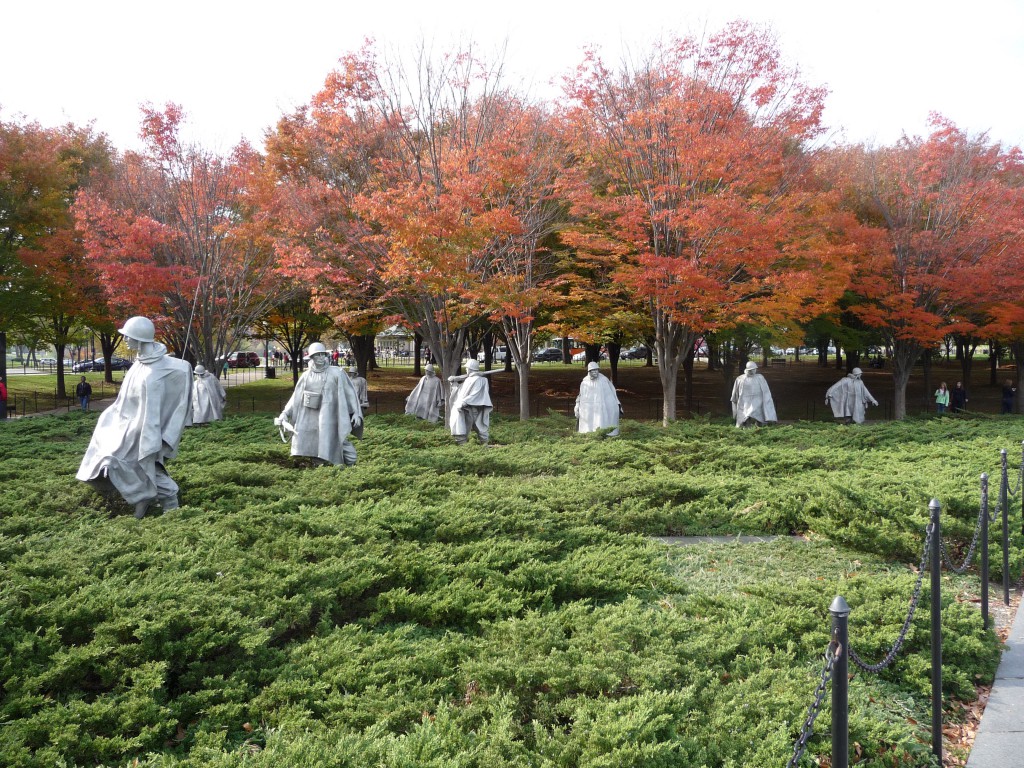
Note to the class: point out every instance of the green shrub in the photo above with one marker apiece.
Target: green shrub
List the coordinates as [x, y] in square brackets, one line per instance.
[504, 606]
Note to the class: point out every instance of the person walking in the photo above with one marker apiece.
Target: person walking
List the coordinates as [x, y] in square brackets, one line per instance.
[83, 391]
[958, 398]
[1008, 393]
[941, 398]
[3, 399]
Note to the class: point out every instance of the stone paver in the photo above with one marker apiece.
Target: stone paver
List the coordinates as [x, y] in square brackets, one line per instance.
[688, 540]
[1000, 739]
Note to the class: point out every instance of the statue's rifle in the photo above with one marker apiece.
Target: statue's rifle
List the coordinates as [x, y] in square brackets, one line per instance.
[465, 376]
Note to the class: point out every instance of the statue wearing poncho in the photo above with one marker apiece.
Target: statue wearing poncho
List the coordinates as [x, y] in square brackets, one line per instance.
[322, 411]
[751, 398]
[470, 405]
[597, 405]
[139, 433]
[426, 397]
[849, 397]
[208, 397]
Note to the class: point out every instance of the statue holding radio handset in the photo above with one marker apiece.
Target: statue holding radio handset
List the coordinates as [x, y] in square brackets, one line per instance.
[321, 413]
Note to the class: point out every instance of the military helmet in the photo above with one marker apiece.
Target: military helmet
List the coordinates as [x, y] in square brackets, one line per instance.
[138, 328]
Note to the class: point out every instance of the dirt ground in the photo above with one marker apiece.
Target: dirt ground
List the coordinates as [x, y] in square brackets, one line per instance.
[798, 389]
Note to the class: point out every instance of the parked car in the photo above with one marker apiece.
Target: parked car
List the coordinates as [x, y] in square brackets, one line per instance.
[639, 352]
[97, 365]
[49, 362]
[548, 355]
[500, 353]
[243, 360]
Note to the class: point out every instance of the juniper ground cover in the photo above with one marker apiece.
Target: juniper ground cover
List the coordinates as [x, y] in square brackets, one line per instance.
[503, 606]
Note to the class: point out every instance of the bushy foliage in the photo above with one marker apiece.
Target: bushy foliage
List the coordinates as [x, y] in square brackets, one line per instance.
[439, 605]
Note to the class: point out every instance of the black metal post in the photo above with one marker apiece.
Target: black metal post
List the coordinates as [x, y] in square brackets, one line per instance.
[840, 684]
[984, 550]
[1006, 532]
[936, 565]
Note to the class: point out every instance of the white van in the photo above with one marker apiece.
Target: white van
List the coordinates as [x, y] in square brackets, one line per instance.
[500, 353]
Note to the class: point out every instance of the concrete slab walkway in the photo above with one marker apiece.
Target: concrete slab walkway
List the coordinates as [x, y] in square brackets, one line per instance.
[688, 540]
[1000, 739]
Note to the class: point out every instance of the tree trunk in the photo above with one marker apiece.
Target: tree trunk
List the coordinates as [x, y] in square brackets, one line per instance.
[904, 355]
[966, 346]
[614, 349]
[417, 351]
[362, 351]
[673, 342]
[1018, 357]
[519, 347]
[927, 371]
[688, 374]
[59, 348]
[108, 344]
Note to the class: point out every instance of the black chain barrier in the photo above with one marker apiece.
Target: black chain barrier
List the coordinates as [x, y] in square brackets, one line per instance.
[1020, 476]
[970, 550]
[832, 653]
[835, 649]
[914, 600]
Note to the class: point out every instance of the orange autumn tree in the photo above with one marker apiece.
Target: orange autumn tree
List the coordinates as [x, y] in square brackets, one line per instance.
[180, 228]
[944, 221]
[693, 159]
[405, 151]
[325, 156]
[517, 284]
[47, 167]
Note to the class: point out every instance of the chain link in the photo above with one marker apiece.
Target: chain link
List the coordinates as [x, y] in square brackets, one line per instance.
[970, 549]
[915, 598]
[832, 653]
[1020, 475]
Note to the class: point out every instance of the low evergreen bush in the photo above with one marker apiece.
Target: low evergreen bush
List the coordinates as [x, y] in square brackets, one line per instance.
[438, 605]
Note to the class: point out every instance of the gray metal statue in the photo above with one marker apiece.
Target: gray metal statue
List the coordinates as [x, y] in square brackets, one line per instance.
[208, 397]
[363, 395]
[323, 408]
[470, 404]
[751, 398]
[849, 397]
[426, 398]
[597, 405]
[139, 433]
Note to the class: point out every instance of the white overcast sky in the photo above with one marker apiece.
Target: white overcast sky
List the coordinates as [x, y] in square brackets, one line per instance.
[236, 66]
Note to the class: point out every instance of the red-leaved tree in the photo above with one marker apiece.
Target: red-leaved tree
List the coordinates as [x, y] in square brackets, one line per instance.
[694, 159]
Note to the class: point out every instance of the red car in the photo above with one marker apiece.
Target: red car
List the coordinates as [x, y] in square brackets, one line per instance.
[243, 360]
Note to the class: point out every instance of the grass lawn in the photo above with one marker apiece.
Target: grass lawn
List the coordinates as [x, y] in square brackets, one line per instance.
[502, 606]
